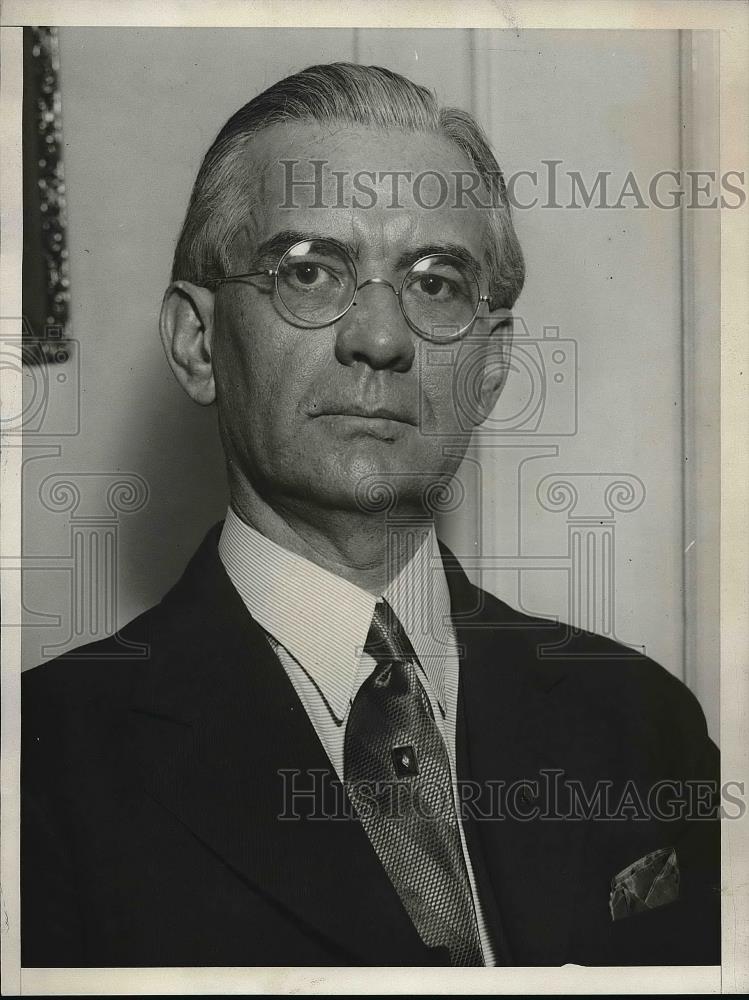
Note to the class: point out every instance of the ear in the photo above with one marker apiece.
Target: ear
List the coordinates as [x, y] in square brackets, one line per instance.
[496, 361]
[186, 328]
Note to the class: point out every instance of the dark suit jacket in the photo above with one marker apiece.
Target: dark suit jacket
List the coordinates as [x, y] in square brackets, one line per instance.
[151, 791]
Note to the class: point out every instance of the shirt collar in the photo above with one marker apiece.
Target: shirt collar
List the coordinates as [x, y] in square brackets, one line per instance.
[323, 620]
[420, 598]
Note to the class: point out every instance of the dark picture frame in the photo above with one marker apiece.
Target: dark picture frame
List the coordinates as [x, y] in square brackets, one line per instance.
[46, 278]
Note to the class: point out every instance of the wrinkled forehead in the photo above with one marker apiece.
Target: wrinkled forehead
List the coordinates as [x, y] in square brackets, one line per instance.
[379, 192]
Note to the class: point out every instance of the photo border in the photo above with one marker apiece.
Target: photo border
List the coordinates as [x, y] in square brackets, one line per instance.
[728, 16]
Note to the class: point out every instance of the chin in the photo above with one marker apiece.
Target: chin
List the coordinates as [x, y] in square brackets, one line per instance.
[375, 483]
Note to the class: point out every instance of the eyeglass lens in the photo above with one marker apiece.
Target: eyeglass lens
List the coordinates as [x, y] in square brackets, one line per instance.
[316, 282]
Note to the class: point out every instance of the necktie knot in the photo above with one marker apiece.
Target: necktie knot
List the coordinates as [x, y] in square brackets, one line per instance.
[387, 640]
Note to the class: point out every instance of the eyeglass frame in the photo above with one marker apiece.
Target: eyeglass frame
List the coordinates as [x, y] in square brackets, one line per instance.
[398, 292]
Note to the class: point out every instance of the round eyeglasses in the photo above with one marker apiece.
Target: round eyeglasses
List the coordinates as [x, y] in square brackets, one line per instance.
[317, 282]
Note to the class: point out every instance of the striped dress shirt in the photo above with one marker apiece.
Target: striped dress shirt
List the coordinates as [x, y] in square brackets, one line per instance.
[318, 623]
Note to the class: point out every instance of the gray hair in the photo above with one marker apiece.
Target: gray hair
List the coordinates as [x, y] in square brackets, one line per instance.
[337, 93]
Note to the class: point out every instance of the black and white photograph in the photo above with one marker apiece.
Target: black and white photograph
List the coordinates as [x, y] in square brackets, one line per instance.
[374, 581]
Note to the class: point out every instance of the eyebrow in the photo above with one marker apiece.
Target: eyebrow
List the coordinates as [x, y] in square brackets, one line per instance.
[279, 243]
[410, 257]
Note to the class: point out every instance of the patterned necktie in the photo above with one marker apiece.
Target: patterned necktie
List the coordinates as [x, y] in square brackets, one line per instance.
[397, 775]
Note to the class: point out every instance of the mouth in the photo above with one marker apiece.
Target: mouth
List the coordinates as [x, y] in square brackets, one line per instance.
[378, 423]
[379, 413]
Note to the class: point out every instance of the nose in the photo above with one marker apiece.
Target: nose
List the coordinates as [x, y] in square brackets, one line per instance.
[374, 330]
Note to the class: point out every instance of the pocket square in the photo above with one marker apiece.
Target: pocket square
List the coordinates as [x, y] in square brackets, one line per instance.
[645, 884]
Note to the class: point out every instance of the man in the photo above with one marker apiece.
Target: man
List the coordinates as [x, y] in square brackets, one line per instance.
[337, 750]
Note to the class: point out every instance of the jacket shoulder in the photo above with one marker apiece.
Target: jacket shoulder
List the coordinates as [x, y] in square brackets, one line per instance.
[104, 668]
[603, 673]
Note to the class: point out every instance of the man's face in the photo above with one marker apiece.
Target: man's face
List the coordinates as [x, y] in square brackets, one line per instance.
[315, 416]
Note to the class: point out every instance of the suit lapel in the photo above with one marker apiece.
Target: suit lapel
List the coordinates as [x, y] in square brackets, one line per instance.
[224, 738]
[513, 725]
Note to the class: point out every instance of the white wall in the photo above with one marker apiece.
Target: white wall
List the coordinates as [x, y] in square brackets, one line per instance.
[609, 279]
[140, 108]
